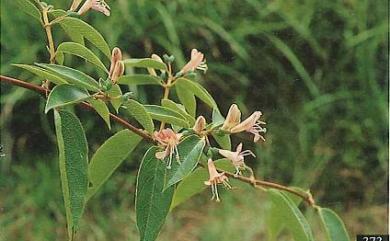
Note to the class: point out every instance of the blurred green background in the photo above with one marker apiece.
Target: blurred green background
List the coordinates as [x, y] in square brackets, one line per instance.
[316, 69]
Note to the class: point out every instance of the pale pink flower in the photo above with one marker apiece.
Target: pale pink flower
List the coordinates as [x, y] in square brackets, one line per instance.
[237, 157]
[233, 118]
[216, 178]
[252, 124]
[117, 67]
[169, 140]
[97, 5]
[197, 61]
[200, 125]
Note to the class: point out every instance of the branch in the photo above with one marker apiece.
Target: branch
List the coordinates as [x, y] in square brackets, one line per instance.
[44, 91]
[307, 197]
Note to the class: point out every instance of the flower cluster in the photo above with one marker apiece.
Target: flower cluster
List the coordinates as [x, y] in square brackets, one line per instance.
[169, 140]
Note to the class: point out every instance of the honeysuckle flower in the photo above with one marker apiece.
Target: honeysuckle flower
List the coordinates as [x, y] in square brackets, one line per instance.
[169, 140]
[252, 124]
[233, 118]
[117, 68]
[197, 61]
[98, 5]
[237, 157]
[200, 125]
[216, 178]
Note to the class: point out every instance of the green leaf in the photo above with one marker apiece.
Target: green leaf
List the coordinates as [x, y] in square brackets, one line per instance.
[138, 111]
[144, 63]
[62, 95]
[198, 91]
[166, 115]
[223, 140]
[102, 109]
[186, 97]
[190, 150]
[81, 51]
[109, 156]
[78, 29]
[139, 79]
[73, 164]
[179, 109]
[194, 182]
[73, 76]
[217, 118]
[334, 226]
[42, 73]
[151, 202]
[284, 211]
[115, 93]
[29, 8]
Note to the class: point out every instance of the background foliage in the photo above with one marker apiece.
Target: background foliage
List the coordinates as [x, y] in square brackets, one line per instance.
[316, 69]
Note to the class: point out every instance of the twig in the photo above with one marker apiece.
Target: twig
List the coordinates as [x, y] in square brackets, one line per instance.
[43, 91]
[307, 197]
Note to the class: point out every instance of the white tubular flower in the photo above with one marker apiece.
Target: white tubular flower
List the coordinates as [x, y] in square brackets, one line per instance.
[169, 140]
[197, 61]
[97, 5]
[237, 157]
[233, 118]
[252, 124]
[116, 58]
[216, 178]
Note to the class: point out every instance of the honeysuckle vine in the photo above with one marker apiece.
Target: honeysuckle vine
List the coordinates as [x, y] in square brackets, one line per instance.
[181, 147]
[306, 196]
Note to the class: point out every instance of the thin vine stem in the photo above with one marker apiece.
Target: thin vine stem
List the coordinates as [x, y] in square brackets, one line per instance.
[307, 197]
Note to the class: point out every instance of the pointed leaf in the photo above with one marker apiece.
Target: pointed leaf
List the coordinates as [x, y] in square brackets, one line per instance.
[62, 95]
[334, 226]
[73, 164]
[115, 93]
[144, 63]
[223, 140]
[73, 76]
[198, 91]
[190, 150]
[179, 109]
[78, 29]
[81, 51]
[102, 109]
[152, 203]
[138, 111]
[286, 212]
[109, 156]
[166, 115]
[28, 7]
[42, 73]
[139, 79]
[186, 97]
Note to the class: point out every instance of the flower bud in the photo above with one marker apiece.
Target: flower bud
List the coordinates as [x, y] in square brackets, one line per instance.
[115, 57]
[200, 125]
[119, 70]
[233, 118]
